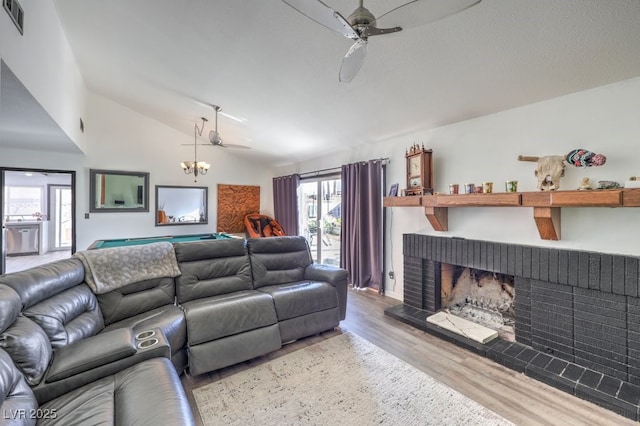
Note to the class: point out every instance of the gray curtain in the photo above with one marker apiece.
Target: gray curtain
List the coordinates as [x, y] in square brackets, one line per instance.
[285, 202]
[361, 243]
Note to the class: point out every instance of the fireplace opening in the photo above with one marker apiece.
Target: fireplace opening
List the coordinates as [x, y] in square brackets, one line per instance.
[484, 297]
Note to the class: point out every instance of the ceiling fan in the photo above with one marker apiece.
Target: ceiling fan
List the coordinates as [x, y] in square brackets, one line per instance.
[362, 24]
[214, 136]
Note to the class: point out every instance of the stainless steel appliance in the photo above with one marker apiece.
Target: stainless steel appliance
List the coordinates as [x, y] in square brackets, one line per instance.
[22, 239]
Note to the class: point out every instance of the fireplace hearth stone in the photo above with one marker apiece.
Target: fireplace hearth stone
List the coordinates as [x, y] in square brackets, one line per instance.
[465, 328]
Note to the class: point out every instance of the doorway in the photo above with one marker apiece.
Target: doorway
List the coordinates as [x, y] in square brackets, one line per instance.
[60, 209]
[38, 217]
[320, 207]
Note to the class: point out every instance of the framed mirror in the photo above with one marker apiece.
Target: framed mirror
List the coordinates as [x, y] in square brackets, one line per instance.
[181, 205]
[118, 191]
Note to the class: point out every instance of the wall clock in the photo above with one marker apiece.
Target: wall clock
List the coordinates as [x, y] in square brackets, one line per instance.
[419, 170]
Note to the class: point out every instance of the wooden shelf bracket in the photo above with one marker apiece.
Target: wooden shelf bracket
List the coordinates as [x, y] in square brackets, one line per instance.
[438, 217]
[548, 222]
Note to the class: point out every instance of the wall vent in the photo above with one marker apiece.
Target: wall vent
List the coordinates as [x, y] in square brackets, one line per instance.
[16, 12]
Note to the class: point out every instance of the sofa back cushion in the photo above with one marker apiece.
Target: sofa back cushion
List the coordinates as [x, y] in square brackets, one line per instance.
[22, 339]
[212, 267]
[37, 284]
[69, 316]
[56, 298]
[137, 298]
[16, 398]
[10, 306]
[29, 348]
[278, 260]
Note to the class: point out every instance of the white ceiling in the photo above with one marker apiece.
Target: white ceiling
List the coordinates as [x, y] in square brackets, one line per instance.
[263, 61]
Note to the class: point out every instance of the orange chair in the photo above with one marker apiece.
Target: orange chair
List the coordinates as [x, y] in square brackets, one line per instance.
[260, 225]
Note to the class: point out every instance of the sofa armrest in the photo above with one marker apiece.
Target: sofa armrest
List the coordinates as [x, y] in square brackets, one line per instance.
[146, 345]
[333, 275]
[327, 273]
[87, 354]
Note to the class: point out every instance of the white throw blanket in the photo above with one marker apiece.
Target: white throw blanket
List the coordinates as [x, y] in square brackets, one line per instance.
[111, 268]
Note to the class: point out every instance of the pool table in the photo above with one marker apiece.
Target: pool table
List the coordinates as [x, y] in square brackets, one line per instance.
[98, 244]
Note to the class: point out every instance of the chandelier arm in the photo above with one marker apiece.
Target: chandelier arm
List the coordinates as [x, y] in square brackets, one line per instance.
[195, 167]
[198, 129]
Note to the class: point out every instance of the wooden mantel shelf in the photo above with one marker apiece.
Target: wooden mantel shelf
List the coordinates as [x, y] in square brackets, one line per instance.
[546, 205]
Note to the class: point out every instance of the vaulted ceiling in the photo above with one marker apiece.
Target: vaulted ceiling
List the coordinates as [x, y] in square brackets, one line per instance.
[267, 64]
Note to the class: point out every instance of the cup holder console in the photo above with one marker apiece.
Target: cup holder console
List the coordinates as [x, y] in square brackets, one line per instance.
[147, 343]
[145, 334]
[146, 340]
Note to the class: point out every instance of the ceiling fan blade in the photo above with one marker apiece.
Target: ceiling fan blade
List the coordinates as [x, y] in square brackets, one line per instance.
[235, 146]
[353, 61]
[420, 12]
[324, 15]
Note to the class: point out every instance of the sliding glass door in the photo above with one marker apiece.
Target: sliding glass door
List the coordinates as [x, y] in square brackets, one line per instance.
[321, 217]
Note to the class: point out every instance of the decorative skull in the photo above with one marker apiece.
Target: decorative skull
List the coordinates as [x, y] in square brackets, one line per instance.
[549, 171]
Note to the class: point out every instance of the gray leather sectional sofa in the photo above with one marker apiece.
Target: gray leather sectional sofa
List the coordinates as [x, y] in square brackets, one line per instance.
[70, 356]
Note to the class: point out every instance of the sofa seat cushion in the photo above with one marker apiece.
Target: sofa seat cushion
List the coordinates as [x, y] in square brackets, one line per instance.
[225, 315]
[146, 393]
[301, 298]
[169, 318]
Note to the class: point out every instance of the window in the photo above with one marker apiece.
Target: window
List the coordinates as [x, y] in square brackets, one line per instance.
[23, 203]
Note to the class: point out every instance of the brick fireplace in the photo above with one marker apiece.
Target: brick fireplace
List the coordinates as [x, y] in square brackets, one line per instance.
[577, 313]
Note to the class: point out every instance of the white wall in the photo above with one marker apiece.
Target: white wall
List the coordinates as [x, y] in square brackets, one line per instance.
[121, 139]
[44, 63]
[603, 120]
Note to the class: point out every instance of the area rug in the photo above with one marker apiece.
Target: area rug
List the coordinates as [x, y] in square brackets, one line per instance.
[344, 380]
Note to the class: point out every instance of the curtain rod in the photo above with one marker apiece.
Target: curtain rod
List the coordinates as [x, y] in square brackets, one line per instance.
[337, 169]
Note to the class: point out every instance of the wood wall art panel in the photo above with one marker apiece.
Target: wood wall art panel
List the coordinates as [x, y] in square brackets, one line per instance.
[234, 202]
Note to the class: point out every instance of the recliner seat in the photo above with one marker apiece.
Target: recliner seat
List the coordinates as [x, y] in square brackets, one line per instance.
[227, 321]
[306, 302]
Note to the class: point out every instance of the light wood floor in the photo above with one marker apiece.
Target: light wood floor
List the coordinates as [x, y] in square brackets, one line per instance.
[516, 397]
[20, 263]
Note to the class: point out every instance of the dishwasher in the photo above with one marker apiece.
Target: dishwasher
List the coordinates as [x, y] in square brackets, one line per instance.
[22, 239]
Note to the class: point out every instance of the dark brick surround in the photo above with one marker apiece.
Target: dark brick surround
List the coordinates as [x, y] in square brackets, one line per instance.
[577, 313]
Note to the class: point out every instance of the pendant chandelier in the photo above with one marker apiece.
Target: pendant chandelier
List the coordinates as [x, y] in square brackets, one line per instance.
[196, 167]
